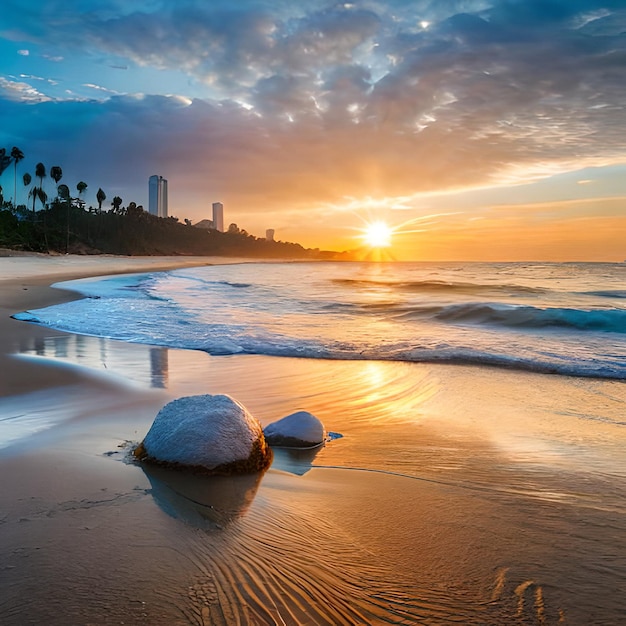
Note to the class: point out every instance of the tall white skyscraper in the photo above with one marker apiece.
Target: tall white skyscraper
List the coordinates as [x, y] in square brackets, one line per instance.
[218, 216]
[157, 196]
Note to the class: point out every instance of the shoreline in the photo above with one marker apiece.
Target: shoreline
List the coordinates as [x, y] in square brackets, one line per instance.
[26, 283]
[456, 494]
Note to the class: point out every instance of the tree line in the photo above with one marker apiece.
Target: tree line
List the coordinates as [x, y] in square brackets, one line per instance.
[63, 224]
[37, 192]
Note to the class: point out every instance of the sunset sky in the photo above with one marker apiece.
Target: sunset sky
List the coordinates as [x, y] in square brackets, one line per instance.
[477, 129]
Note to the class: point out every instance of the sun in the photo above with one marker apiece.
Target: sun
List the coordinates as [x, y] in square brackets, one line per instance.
[377, 235]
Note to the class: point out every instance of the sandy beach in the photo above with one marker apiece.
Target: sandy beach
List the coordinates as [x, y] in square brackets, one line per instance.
[455, 495]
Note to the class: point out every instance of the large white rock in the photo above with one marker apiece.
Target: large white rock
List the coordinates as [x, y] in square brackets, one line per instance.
[214, 434]
[298, 430]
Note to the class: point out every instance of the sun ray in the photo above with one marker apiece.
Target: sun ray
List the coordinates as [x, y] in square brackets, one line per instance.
[377, 235]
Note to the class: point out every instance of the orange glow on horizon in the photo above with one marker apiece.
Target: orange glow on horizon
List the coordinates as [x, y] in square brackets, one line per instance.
[587, 229]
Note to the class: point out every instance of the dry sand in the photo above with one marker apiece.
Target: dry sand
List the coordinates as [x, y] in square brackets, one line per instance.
[456, 495]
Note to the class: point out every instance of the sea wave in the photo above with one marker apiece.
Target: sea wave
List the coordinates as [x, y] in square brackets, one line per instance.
[223, 340]
[236, 285]
[495, 314]
[291, 312]
[430, 286]
[606, 293]
[605, 320]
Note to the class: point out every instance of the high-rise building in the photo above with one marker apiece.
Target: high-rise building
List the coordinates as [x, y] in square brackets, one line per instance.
[269, 234]
[218, 216]
[157, 196]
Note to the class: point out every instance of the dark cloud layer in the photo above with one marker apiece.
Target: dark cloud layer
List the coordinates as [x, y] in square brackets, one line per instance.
[311, 102]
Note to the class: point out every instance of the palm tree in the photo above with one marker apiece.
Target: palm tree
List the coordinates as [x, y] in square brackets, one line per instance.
[116, 204]
[17, 155]
[43, 197]
[64, 192]
[5, 160]
[100, 197]
[56, 173]
[40, 173]
[81, 186]
[37, 193]
[27, 178]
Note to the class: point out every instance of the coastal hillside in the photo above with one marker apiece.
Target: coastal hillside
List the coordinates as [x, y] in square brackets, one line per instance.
[64, 228]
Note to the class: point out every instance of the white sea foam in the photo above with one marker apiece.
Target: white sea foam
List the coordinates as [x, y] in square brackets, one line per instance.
[559, 318]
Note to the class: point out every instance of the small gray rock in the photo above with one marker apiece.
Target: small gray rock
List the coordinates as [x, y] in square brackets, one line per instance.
[298, 430]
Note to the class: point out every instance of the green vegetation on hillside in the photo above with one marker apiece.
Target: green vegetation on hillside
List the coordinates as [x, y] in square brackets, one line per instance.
[65, 225]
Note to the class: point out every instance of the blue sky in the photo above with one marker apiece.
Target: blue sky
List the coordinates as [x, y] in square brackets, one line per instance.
[458, 122]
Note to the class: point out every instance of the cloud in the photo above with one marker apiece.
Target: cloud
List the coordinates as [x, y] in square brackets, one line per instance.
[41, 78]
[23, 53]
[20, 91]
[100, 88]
[340, 100]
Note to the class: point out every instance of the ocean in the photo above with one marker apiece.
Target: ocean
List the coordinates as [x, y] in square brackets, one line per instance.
[476, 474]
[567, 319]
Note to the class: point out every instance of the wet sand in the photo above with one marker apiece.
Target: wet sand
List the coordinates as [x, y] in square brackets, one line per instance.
[456, 495]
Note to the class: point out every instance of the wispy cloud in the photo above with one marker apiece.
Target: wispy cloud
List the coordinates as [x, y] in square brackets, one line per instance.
[21, 92]
[100, 88]
[41, 78]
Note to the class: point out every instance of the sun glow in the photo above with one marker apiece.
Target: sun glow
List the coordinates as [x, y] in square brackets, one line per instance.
[377, 235]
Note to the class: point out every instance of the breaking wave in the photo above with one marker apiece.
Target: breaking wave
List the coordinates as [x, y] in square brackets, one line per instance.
[323, 312]
[609, 293]
[430, 286]
[606, 320]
